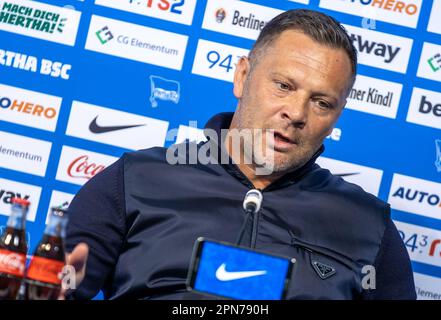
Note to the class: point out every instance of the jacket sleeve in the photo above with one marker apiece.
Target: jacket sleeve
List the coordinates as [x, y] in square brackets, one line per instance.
[394, 276]
[96, 217]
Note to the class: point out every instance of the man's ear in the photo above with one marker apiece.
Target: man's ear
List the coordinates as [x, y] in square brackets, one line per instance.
[240, 76]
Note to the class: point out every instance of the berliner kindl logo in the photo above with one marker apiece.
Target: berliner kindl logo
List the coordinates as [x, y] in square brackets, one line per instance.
[220, 15]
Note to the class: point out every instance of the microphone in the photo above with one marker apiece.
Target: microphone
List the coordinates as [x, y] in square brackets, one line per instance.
[253, 201]
[251, 205]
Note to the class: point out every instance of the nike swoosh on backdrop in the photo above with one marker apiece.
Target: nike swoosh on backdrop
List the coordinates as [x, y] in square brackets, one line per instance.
[96, 128]
[223, 275]
[347, 174]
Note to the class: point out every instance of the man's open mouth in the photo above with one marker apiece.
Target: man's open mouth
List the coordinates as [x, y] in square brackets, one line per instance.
[279, 137]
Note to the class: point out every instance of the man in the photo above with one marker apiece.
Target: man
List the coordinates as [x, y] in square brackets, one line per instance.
[141, 216]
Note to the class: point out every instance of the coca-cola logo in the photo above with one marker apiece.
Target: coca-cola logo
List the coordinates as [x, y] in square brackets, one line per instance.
[12, 261]
[82, 168]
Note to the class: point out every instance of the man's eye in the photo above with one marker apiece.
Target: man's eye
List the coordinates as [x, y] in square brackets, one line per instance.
[283, 86]
[324, 104]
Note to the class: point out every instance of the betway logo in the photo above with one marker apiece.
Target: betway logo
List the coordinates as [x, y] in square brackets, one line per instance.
[11, 189]
[29, 108]
[6, 196]
[425, 108]
[78, 166]
[416, 196]
[402, 12]
[381, 50]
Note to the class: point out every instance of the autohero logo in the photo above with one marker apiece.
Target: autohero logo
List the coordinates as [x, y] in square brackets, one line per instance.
[39, 20]
[23, 106]
[416, 196]
[402, 12]
[381, 50]
[135, 42]
[425, 108]
[29, 108]
[25, 62]
[180, 11]
[401, 7]
[237, 18]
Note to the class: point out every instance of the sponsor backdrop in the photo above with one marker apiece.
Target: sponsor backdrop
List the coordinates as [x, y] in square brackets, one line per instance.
[82, 82]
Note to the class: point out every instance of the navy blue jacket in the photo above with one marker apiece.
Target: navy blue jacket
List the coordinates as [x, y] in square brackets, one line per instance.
[141, 217]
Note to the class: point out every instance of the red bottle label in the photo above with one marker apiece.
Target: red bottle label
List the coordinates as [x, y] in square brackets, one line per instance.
[12, 262]
[45, 270]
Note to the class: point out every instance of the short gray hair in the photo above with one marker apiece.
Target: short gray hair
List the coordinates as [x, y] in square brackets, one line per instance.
[319, 26]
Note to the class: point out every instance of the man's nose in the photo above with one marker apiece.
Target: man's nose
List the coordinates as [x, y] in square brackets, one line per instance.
[296, 110]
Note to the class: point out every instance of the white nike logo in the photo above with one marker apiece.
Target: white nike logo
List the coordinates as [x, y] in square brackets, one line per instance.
[224, 275]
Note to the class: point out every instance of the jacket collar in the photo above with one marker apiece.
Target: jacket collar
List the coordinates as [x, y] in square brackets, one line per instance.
[222, 121]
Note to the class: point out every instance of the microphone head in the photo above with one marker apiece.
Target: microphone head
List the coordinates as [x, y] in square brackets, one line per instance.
[253, 200]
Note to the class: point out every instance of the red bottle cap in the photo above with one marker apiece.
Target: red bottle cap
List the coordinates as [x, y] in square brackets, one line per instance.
[21, 201]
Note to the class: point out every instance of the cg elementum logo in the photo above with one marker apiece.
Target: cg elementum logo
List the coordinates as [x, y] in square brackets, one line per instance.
[435, 62]
[104, 35]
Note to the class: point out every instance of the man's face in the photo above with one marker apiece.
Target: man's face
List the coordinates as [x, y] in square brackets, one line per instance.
[297, 88]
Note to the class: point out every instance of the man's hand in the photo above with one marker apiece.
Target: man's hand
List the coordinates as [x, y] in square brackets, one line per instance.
[77, 259]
